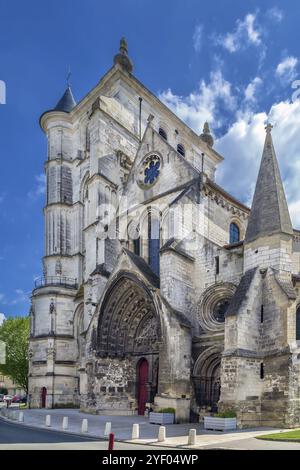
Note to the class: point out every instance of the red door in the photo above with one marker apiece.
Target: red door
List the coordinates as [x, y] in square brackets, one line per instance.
[43, 396]
[143, 370]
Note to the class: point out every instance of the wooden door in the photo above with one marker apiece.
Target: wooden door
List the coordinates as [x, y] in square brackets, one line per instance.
[43, 397]
[143, 371]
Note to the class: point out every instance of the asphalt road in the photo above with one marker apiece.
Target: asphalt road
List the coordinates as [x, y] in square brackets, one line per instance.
[15, 436]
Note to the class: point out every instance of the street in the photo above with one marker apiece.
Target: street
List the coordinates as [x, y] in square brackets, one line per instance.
[17, 437]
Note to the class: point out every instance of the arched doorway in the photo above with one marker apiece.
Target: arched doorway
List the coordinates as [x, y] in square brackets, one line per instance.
[206, 376]
[142, 385]
[128, 341]
[43, 397]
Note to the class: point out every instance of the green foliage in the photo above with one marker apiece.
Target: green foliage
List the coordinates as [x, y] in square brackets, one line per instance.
[167, 410]
[282, 436]
[226, 414]
[15, 333]
[3, 391]
[65, 405]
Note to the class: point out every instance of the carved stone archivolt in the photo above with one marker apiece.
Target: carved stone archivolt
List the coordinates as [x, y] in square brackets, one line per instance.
[128, 322]
[213, 304]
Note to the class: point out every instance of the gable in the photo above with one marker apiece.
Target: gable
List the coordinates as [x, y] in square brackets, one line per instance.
[173, 173]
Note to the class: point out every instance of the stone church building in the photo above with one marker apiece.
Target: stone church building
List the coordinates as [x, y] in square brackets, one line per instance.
[159, 288]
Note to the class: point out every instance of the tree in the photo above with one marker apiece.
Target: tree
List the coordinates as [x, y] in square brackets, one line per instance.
[15, 334]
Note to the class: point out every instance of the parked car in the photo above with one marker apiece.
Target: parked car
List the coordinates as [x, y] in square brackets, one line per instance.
[16, 399]
[23, 399]
[7, 398]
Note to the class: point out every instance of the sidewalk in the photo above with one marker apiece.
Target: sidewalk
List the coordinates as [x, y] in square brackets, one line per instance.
[121, 426]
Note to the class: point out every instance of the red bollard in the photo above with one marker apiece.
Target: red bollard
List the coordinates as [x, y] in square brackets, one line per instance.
[111, 441]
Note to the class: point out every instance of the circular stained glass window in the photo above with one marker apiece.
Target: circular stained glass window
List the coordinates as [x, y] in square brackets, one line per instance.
[149, 170]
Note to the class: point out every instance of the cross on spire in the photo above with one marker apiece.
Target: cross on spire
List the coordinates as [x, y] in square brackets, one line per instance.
[269, 128]
[69, 77]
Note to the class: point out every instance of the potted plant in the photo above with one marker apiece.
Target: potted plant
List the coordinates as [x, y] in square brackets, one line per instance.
[224, 421]
[162, 416]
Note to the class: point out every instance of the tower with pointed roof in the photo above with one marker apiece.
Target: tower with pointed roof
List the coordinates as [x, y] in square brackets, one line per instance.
[268, 239]
[260, 366]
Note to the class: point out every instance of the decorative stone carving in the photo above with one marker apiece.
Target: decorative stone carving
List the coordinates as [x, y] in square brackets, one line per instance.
[58, 267]
[212, 306]
[128, 322]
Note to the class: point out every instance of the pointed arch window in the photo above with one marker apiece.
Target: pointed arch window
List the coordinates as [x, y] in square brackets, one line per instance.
[181, 150]
[234, 233]
[163, 133]
[153, 242]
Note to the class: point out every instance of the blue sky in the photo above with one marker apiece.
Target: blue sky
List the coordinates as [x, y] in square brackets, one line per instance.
[231, 62]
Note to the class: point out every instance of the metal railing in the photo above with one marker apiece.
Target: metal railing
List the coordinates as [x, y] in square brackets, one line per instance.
[61, 281]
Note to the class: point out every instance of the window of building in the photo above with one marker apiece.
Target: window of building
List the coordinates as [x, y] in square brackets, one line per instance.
[137, 246]
[220, 310]
[262, 370]
[180, 149]
[298, 324]
[261, 314]
[153, 242]
[217, 260]
[163, 133]
[234, 233]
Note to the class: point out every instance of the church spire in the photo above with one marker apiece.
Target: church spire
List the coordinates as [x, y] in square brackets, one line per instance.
[269, 211]
[67, 101]
[122, 57]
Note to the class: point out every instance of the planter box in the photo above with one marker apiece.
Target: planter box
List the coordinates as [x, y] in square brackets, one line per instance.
[219, 424]
[161, 418]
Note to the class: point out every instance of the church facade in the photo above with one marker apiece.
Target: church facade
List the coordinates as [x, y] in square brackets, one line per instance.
[159, 288]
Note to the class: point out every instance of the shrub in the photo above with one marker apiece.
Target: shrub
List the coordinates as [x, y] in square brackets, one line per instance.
[167, 410]
[226, 414]
[65, 405]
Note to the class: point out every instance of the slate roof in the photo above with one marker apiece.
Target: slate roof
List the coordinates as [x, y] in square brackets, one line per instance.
[240, 293]
[287, 288]
[67, 102]
[269, 213]
[143, 267]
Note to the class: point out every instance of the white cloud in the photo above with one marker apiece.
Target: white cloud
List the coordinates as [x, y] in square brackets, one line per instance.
[197, 37]
[245, 33]
[242, 148]
[286, 69]
[40, 187]
[20, 297]
[242, 143]
[275, 14]
[251, 89]
[203, 104]
[2, 318]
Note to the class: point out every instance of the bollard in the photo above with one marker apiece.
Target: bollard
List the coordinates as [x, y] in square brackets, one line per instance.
[107, 429]
[192, 437]
[111, 441]
[48, 421]
[21, 417]
[65, 422]
[161, 434]
[84, 425]
[135, 431]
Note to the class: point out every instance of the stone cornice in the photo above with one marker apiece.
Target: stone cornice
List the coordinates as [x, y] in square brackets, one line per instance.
[225, 200]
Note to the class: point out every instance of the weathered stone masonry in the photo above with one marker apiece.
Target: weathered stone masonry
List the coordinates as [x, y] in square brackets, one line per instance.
[159, 288]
